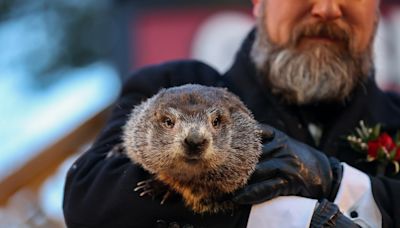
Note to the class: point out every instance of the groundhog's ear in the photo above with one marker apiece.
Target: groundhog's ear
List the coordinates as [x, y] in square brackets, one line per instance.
[236, 105]
[233, 102]
[239, 107]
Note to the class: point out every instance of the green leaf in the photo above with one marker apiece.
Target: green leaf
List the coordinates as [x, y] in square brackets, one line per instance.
[383, 154]
[397, 138]
[392, 154]
[380, 154]
[375, 132]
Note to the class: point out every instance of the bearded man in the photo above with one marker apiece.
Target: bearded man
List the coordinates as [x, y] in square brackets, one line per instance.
[306, 72]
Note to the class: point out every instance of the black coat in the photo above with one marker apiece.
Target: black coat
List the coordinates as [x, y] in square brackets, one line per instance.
[99, 190]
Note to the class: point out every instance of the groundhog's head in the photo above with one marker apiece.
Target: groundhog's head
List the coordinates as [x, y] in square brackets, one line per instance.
[194, 132]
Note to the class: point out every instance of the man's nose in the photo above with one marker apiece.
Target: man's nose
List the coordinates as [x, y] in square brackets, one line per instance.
[327, 10]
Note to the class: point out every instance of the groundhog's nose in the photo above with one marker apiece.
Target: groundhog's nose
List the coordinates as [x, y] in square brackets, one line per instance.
[195, 144]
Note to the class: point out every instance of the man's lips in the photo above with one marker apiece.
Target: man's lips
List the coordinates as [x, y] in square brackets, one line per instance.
[307, 41]
[324, 39]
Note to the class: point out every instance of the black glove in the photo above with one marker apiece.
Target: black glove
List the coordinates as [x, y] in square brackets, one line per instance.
[289, 167]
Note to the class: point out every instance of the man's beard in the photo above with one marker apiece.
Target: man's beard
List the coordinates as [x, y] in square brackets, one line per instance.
[325, 72]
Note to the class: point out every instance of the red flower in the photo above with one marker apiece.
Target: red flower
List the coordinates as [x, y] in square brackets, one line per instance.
[373, 147]
[386, 141]
[383, 141]
[383, 149]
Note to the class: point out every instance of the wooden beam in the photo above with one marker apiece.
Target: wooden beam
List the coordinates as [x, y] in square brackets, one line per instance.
[38, 169]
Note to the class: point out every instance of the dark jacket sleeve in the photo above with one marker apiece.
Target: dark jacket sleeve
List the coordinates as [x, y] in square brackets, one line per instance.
[386, 193]
[99, 188]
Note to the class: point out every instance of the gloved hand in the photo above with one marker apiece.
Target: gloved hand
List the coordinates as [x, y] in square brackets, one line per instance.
[289, 167]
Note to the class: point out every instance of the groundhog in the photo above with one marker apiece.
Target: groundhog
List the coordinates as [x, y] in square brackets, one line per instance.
[202, 142]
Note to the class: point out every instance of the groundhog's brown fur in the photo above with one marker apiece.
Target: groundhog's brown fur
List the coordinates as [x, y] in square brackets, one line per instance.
[201, 141]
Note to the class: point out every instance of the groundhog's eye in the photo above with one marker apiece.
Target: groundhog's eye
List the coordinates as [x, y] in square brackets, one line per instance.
[168, 122]
[216, 121]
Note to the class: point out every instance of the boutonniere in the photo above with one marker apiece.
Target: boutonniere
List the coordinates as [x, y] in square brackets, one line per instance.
[377, 146]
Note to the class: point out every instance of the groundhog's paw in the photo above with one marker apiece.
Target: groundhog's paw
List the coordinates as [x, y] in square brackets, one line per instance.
[144, 187]
[153, 188]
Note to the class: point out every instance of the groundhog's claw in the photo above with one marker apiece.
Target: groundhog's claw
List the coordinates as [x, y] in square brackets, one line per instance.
[145, 187]
[150, 192]
[153, 188]
[165, 197]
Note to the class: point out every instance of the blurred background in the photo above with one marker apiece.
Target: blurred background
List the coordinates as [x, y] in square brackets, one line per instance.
[61, 67]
